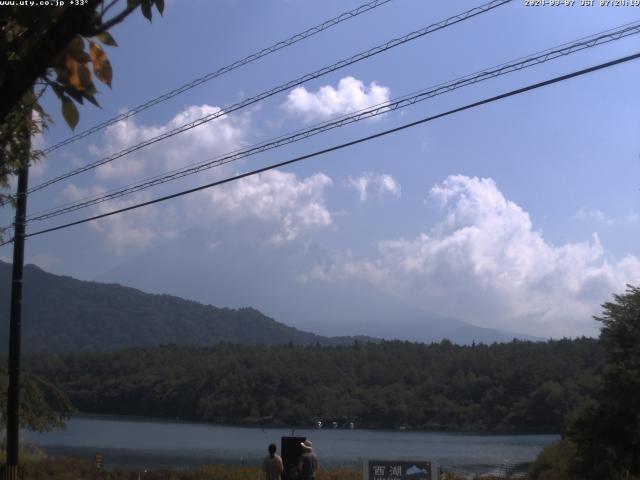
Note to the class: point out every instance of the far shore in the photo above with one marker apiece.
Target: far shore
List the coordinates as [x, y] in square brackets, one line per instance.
[270, 426]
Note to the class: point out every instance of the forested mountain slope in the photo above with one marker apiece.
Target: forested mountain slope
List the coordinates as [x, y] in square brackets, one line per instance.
[62, 314]
[517, 386]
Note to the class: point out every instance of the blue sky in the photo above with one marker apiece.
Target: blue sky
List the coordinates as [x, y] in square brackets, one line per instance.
[521, 215]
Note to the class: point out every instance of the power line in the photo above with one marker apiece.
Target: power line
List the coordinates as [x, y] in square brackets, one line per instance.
[347, 144]
[269, 93]
[396, 104]
[223, 70]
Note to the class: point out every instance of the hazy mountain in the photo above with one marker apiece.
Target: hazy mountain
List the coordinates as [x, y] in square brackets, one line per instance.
[64, 314]
[240, 271]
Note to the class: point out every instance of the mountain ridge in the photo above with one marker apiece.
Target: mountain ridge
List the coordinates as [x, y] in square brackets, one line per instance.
[63, 314]
[221, 269]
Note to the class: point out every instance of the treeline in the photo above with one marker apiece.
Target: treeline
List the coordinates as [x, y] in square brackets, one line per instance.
[517, 386]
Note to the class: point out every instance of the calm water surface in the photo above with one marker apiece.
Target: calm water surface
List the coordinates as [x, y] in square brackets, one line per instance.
[146, 443]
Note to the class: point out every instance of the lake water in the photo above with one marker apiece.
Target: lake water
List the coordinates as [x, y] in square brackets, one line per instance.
[152, 443]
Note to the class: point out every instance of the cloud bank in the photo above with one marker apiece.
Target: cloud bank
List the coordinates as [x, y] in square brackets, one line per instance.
[275, 207]
[219, 136]
[485, 263]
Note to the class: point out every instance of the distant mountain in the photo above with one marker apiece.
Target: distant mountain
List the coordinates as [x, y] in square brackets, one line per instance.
[233, 271]
[63, 314]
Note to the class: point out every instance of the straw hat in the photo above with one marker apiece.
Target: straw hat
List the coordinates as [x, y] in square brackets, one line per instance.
[307, 445]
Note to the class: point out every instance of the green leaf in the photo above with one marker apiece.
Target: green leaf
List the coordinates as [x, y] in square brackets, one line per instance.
[92, 99]
[58, 89]
[107, 39]
[145, 6]
[75, 94]
[70, 112]
[160, 6]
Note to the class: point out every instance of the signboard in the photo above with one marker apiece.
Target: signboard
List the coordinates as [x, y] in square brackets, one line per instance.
[398, 470]
[99, 460]
[291, 450]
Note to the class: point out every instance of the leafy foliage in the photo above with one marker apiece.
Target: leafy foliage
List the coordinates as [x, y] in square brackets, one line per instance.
[518, 386]
[602, 437]
[607, 435]
[554, 462]
[45, 48]
[40, 44]
[43, 406]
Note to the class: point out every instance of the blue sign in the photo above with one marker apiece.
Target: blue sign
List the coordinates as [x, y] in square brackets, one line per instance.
[398, 470]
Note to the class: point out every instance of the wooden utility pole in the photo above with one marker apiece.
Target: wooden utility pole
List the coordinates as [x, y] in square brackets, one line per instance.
[13, 396]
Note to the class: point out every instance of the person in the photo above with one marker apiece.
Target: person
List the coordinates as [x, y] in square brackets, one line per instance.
[272, 464]
[308, 465]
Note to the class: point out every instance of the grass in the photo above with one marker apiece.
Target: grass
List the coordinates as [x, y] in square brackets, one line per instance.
[75, 469]
[36, 466]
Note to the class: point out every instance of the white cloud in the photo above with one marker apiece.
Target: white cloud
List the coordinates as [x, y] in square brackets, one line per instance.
[283, 206]
[587, 214]
[73, 193]
[370, 184]
[219, 136]
[273, 207]
[287, 205]
[351, 95]
[135, 229]
[633, 218]
[485, 263]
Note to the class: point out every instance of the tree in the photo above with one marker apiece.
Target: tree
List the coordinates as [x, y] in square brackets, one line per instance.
[60, 48]
[607, 435]
[43, 405]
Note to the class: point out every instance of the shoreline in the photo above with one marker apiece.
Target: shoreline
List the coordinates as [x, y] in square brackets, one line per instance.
[167, 420]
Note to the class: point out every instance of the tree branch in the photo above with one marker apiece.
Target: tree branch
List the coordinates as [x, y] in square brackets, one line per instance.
[117, 19]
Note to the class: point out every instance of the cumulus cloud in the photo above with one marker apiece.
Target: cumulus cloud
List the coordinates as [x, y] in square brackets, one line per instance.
[283, 206]
[219, 136]
[136, 229]
[370, 184]
[485, 263]
[73, 193]
[273, 207]
[351, 95]
[587, 214]
[288, 205]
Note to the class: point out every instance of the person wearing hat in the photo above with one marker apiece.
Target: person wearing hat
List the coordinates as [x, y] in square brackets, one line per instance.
[272, 464]
[308, 464]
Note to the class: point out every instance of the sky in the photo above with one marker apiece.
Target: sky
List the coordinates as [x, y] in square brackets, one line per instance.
[521, 215]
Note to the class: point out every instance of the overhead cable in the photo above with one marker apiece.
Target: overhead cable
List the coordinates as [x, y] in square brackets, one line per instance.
[223, 70]
[347, 144]
[268, 93]
[376, 110]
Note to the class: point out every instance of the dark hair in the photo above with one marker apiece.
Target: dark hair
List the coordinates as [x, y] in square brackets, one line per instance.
[272, 449]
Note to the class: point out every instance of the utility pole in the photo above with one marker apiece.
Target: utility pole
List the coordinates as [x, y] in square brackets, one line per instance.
[13, 396]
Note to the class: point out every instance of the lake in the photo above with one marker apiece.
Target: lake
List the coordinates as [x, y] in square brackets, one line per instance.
[153, 443]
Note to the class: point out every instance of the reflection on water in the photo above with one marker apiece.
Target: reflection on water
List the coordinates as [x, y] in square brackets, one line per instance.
[152, 443]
